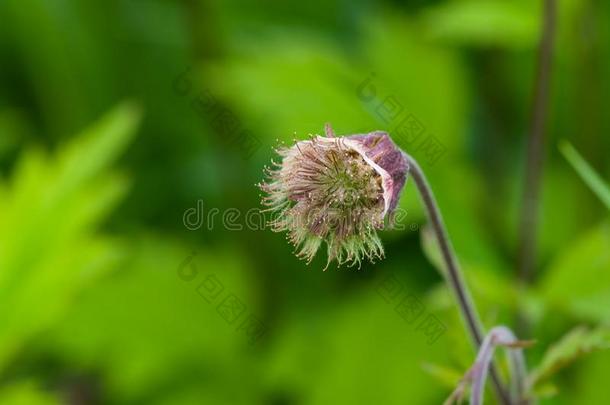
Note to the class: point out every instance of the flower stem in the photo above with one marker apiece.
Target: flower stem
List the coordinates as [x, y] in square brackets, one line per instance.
[453, 273]
[499, 336]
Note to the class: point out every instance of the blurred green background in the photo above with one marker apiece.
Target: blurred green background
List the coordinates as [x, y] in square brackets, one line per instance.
[124, 123]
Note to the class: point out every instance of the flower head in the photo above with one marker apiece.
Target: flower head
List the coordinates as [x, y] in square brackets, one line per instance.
[335, 190]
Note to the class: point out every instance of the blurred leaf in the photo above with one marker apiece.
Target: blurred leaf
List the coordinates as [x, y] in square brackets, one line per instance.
[49, 212]
[26, 393]
[544, 391]
[154, 336]
[97, 147]
[586, 172]
[427, 84]
[38, 29]
[590, 384]
[447, 376]
[14, 129]
[483, 23]
[561, 193]
[370, 355]
[573, 345]
[264, 90]
[578, 280]
[331, 84]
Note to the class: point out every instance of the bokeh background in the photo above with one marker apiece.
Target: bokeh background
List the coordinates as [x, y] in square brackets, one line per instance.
[125, 123]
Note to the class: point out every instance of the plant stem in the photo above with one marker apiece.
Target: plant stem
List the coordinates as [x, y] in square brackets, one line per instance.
[453, 273]
[499, 336]
[528, 228]
[535, 147]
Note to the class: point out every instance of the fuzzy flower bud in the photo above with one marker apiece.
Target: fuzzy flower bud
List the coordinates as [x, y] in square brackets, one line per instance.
[337, 191]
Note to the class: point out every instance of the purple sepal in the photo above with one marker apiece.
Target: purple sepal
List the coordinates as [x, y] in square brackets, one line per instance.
[379, 147]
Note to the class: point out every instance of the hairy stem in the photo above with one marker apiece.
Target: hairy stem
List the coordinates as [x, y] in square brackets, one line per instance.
[453, 273]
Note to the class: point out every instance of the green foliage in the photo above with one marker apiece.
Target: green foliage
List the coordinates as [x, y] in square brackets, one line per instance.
[573, 345]
[366, 344]
[90, 300]
[586, 172]
[48, 212]
[164, 333]
[26, 393]
[447, 376]
[578, 280]
[484, 23]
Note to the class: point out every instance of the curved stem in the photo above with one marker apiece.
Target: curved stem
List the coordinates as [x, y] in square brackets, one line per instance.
[499, 336]
[453, 273]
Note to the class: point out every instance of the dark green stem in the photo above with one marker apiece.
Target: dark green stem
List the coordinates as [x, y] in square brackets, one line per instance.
[535, 147]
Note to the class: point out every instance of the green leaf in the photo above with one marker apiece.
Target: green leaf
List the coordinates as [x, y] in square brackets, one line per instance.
[586, 172]
[572, 346]
[49, 213]
[147, 327]
[395, 350]
[447, 376]
[544, 391]
[577, 282]
[26, 393]
[483, 23]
